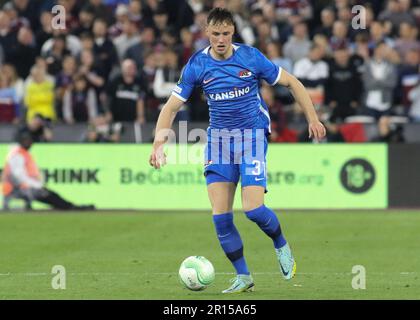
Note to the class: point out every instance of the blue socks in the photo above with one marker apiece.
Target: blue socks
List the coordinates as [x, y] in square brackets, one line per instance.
[230, 240]
[267, 220]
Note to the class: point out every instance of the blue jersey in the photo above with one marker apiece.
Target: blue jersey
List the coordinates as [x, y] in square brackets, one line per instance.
[231, 86]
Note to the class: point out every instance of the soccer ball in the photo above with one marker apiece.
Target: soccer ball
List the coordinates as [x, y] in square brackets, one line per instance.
[196, 273]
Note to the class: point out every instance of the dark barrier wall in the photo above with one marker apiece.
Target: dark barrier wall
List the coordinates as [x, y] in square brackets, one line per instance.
[404, 175]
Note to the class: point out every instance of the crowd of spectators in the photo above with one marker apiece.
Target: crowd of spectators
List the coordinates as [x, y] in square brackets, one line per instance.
[117, 61]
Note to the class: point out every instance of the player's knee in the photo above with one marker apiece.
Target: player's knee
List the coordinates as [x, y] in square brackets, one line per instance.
[251, 205]
[221, 210]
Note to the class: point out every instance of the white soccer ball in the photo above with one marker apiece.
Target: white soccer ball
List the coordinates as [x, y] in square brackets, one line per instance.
[196, 273]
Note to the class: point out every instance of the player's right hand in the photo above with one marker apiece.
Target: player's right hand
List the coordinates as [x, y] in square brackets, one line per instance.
[157, 157]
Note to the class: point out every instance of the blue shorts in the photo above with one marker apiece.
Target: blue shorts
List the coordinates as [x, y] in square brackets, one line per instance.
[238, 156]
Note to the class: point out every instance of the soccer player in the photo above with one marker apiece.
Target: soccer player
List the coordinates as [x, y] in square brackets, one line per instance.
[229, 74]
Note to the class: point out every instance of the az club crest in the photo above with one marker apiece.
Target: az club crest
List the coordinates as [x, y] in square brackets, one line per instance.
[245, 74]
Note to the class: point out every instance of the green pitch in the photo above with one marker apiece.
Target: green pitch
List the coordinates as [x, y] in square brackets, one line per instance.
[137, 255]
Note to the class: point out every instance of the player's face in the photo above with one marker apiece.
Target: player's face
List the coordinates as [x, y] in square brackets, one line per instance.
[220, 37]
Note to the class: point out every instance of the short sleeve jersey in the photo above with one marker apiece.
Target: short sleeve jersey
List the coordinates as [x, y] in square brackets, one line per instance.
[231, 86]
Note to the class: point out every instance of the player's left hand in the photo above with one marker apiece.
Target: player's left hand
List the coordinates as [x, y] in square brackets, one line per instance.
[316, 130]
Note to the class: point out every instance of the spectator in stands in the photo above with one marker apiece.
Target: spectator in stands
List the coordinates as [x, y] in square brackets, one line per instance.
[27, 9]
[129, 37]
[264, 35]
[42, 63]
[377, 35]
[8, 37]
[242, 27]
[25, 52]
[100, 10]
[72, 43]
[149, 7]
[55, 56]
[256, 16]
[408, 77]
[407, 39]
[92, 70]
[45, 32]
[137, 51]
[160, 20]
[149, 71]
[135, 8]
[327, 21]
[181, 14]
[361, 47]
[298, 45]
[279, 130]
[39, 95]
[312, 71]
[86, 17]
[344, 15]
[379, 80]
[80, 102]
[63, 81]
[9, 103]
[86, 41]
[153, 26]
[343, 88]
[339, 35]
[126, 95]
[121, 15]
[16, 21]
[396, 12]
[274, 53]
[285, 8]
[149, 68]
[103, 47]
[198, 30]
[322, 42]
[286, 30]
[187, 46]
[169, 39]
[166, 77]
[9, 72]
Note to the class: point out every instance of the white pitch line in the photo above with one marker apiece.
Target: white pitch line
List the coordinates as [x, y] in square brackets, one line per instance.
[298, 273]
[37, 274]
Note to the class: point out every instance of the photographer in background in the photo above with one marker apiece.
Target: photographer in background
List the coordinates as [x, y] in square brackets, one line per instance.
[22, 179]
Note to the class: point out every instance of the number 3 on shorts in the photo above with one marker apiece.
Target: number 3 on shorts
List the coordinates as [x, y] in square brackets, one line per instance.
[258, 166]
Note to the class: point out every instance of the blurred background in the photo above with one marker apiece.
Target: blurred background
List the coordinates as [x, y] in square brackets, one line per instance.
[71, 84]
[104, 78]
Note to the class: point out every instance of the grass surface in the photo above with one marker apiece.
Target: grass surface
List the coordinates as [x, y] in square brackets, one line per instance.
[137, 255]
